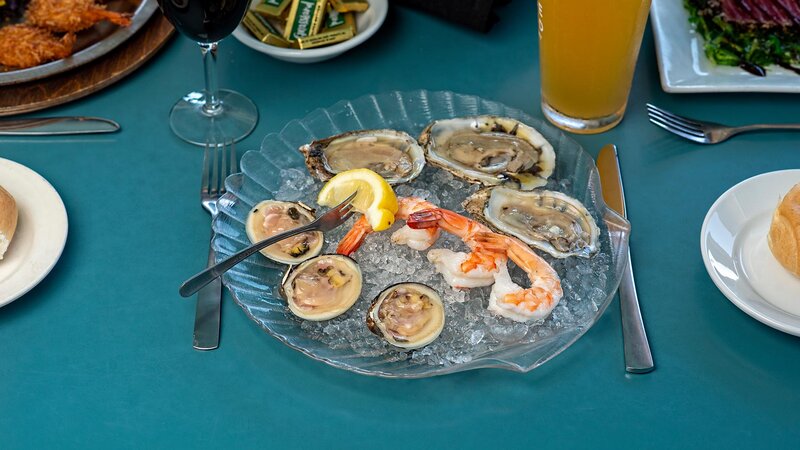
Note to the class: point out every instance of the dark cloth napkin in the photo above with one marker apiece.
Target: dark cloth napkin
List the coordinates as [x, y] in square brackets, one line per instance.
[476, 14]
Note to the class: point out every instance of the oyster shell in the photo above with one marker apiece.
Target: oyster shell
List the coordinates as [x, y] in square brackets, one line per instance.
[548, 220]
[271, 217]
[407, 315]
[394, 155]
[322, 287]
[490, 150]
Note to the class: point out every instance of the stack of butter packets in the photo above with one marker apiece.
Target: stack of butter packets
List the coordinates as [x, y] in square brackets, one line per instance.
[304, 23]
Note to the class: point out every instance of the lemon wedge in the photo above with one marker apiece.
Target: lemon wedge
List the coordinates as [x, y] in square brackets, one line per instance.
[375, 198]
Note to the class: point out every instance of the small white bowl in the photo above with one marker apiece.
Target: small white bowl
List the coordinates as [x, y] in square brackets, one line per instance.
[367, 22]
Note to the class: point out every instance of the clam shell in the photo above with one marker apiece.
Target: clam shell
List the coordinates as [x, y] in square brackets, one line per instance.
[255, 232]
[428, 331]
[346, 297]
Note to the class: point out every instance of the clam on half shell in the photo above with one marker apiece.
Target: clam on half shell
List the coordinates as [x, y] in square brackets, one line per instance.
[547, 220]
[271, 217]
[490, 150]
[407, 315]
[322, 287]
[394, 155]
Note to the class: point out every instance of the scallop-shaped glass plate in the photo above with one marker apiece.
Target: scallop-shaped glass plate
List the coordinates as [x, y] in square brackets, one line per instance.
[253, 283]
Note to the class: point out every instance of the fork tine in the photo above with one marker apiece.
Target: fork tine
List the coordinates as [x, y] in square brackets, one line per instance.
[204, 187]
[234, 160]
[348, 208]
[680, 133]
[215, 169]
[675, 124]
[347, 203]
[347, 215]
[683, 119]
[223, 157]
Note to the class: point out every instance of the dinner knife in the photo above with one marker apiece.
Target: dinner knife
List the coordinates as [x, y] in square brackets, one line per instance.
[51, 126]
[638, 358]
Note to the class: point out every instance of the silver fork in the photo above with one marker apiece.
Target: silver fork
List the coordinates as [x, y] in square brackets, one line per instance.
[219, 161]
[330, 220]
[705, 132]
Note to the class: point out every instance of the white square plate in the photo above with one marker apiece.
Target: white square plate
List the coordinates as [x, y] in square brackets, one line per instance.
[683, 64]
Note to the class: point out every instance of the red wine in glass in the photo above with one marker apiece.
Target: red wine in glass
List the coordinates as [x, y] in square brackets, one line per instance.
[213, 115]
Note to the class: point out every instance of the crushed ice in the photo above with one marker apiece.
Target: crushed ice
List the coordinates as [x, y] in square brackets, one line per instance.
[470, 330]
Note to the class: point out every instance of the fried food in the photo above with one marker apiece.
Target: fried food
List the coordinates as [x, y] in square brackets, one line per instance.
[70, 16]
[24, 46]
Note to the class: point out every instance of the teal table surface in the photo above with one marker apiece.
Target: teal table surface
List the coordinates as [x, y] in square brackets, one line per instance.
[99, 355]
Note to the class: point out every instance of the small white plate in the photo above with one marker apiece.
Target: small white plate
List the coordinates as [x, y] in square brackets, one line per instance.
[733, 242]
[41, 231]
[367, 24]
[683, 64]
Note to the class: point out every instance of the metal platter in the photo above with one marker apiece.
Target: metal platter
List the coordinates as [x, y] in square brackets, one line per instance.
[91, 44]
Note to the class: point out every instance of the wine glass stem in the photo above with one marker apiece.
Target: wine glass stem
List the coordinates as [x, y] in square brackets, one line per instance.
[212, 105]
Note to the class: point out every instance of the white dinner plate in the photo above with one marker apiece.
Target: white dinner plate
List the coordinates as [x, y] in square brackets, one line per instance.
[733, 241]
[41, 231]
[683, 64]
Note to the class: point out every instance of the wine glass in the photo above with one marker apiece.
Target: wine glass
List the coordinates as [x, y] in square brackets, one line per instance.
[227, 112]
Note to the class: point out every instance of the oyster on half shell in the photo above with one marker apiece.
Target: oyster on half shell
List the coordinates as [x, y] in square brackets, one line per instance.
[490, 150]
[548, 220]
[407, 315]
[394, 155]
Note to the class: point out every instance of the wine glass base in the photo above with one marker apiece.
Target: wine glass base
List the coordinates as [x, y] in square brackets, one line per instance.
[582, 125]
[235, 120]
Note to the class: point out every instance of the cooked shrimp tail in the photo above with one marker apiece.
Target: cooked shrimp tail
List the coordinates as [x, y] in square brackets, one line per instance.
[404, 236]
[97, 14]
[355, 237]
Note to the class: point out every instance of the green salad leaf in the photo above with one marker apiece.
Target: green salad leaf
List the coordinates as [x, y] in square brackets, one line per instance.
[732, 44]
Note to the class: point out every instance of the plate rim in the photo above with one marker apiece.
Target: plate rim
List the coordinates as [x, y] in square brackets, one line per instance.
[140, 17]
[56, 255]
[732, 296]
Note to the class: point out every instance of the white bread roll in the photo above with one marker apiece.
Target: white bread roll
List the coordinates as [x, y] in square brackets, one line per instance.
[784, 232]
[8, 220]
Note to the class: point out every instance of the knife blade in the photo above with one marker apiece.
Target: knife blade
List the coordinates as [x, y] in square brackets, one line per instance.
[638, 357]
[52, 126]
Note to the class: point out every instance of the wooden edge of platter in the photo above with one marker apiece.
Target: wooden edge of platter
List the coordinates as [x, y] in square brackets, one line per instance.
[90, 78]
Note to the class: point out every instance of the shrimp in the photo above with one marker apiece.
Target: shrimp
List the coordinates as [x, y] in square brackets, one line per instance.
[449, 263]
[70, 16]
[416, 239]
[24, 46]
[460, 270]
[461, 227]
[508, 298]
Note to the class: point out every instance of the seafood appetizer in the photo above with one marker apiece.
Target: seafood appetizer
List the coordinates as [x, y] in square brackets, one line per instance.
[510, 300]
[407, 315]
[490, 150]
[322, 287]
[547, 220]
[394, 155]
[271, 217]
